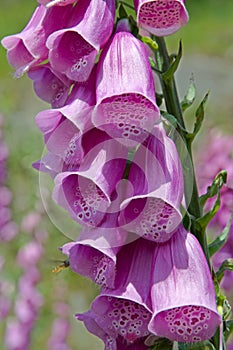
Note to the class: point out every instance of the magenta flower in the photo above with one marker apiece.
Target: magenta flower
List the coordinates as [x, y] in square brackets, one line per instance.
[121, 316]
[125, 92]
[182, 293]
[49, 3]
[73, 51]
[211, 160]
[161, 17]
[27, 49]
[93, 255]
[52, 87]
[64, 129]
[86, 193]
[152, 208]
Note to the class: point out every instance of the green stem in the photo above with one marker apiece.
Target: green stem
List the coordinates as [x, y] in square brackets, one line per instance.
[173, 107]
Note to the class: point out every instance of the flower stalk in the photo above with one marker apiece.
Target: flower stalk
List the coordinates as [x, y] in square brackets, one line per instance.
[173, 106]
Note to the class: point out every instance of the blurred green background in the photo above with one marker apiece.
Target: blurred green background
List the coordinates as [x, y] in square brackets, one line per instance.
[208, 54]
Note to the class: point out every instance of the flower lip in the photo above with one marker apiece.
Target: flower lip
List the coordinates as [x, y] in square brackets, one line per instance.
[161, 17]
[191, 323]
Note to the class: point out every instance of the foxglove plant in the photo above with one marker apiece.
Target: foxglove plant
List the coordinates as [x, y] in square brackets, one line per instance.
[118, 173]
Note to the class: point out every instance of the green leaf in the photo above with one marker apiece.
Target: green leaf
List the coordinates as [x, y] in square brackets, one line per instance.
[227, 265]
[189, 96]
[228, 328]
[168, 75]
[122, 12]
[221, 239]
[205, 219]
[199, 115]
[213, 189]
[205, 345]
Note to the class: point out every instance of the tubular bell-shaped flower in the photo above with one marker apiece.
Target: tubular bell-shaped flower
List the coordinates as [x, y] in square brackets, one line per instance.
[50, 86]
[161, 17]
[156, 186]
[121, 316]
[125, 92]
[66, 129]
[93, 255]
[182, 292]
[73, 51]
[86, 193]
[49, 3]
[26, 49]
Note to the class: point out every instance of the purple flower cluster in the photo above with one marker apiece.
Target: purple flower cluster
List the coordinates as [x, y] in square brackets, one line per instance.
[115, 170]
[211, 160]
[8, 229]
[28, 301]
[61, 326]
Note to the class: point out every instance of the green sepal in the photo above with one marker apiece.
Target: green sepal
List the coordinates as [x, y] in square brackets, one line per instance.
[161, 344]
[227, 265]
[205, 345]
[153, 66]
[150, 42]
[190, 95]
[168, 75]
[122, 12]
[186, 222]
[172, 120]
[199, 116]
[212, 190]
[224, 308]
[159, 99]
[221, 239]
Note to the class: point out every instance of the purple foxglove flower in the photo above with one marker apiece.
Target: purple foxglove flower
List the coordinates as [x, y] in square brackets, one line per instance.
[125, 92]
[230, 344]
[65, 128]
[5, 306]
[60, 330]
[8, 231]
[49, 85]
[93, 255]
[161, 17]
[50, 3]
[29, 254]
[30, 222]
[211, 160]
[73, 51]
[182, 292]
[5, 196]
[123, 314]
[17, 336]
[111, 343]
[86, 193]
[27, 49]
[156, 190]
